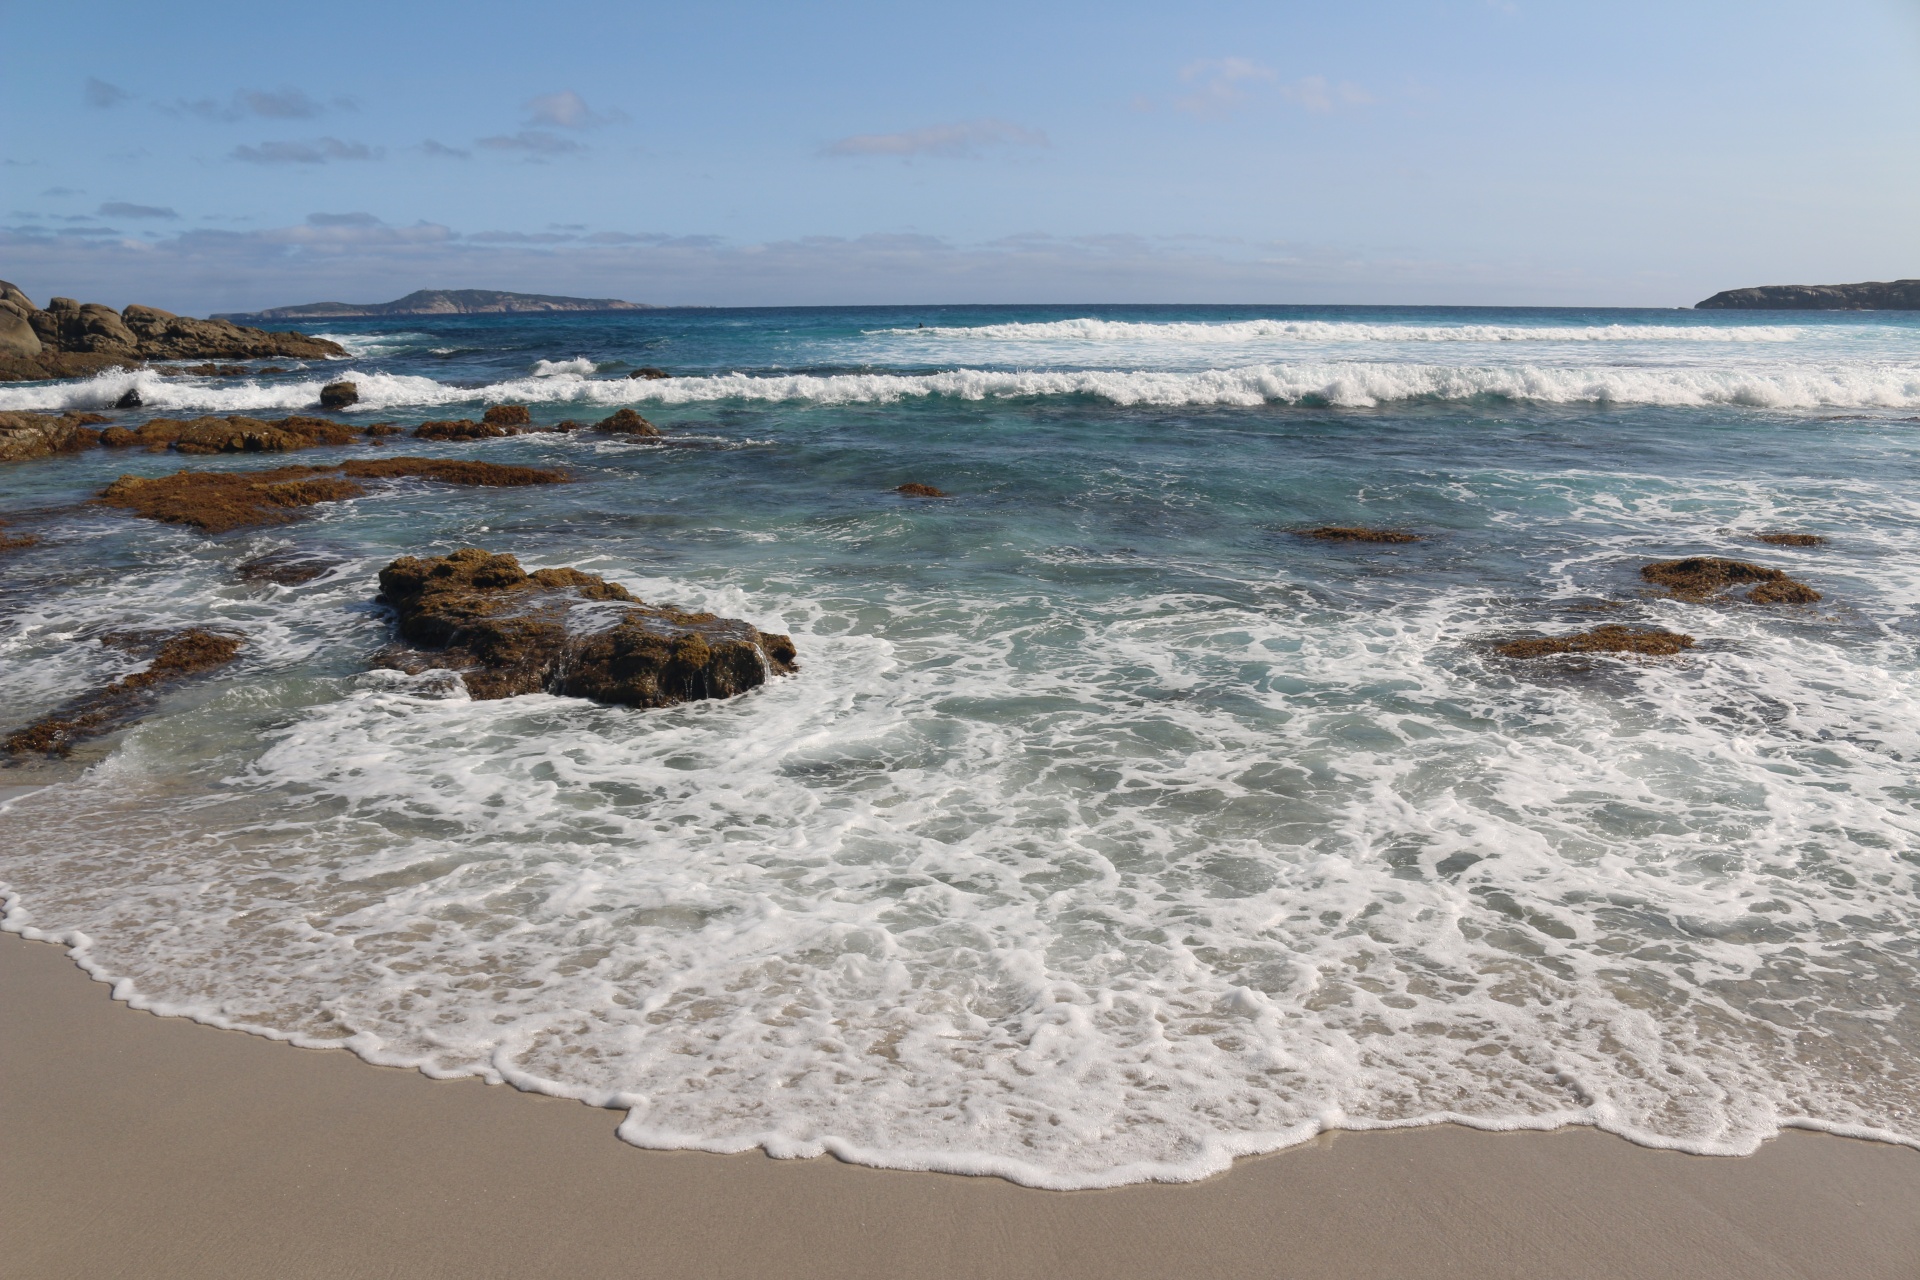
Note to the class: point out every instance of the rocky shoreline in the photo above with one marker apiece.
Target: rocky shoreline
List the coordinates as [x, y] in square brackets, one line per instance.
[69, 339]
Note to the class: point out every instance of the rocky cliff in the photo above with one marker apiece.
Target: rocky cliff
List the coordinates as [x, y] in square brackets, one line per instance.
[1872, 295]
[68, 339]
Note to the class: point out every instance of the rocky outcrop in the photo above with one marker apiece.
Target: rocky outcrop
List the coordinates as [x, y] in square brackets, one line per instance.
[78, 339]
[627, 423]
[234, 434]
[1893, 295]
[1708, 577]
[176, 656]
[508, 632]
[507, 415]
[217, 501]
[35, 435]
[1647, 642]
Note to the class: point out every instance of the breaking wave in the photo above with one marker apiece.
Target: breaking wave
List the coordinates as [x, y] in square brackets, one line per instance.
[1091, 330]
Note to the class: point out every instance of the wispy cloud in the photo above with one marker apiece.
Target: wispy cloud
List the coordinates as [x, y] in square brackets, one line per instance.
[1318, 95]
[99, 93]
[266, 104]
[432, 148]
[1220, 84]
[342, 220]
[121, 209]
[319, 151]
[532, 143]
[568, 110]
[954, 141]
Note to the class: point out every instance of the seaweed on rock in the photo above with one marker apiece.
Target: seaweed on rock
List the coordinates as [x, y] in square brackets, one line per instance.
[177, 656]
[1647, 642]
[1704, 577]
[506, 632]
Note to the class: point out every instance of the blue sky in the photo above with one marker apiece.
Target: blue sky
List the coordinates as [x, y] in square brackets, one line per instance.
[226, 156]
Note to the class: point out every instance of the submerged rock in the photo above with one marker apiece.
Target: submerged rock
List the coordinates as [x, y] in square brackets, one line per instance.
[1778, 539]
[1649, 642]
[339, 395]
[285, 568]
[176, 656]
[1703, 577]
[561, 631]
[916, 490]
[1356, 533]
[217, 501]
[15, 541]
[459, 429]
[626, 422]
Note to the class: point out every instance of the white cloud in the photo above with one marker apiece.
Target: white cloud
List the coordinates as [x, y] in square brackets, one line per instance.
[1220, 84]
[959, 140]
[567, 110]
[1317, 95]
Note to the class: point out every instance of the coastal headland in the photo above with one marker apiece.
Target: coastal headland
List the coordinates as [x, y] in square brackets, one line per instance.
[441, 302]
[1871, 295]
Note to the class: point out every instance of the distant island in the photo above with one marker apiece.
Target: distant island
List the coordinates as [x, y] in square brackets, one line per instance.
[1873, 295]
[440, 302]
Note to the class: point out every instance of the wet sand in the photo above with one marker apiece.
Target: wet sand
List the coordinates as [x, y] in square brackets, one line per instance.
[136, 1146]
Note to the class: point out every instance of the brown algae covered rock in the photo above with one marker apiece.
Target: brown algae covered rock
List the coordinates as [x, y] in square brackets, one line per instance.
[449, 471]
[176, 656]
[285, 568]
[508, 415]
[1704, 577]
[917, 490]
[36, 435]
[627, 423]
[1647, 642]
[506, 632]
[1776, 538]
[459, 429]
[216, 501]
[1356, 533]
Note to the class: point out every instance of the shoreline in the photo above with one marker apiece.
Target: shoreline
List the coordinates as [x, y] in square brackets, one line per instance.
[138, 1145]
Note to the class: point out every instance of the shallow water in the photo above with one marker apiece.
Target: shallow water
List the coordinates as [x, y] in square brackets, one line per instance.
[1110, 828]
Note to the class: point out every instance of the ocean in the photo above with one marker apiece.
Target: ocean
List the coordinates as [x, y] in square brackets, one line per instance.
[1110, 828]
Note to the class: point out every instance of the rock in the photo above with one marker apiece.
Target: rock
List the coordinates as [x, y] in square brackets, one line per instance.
[15, 541]
[507, 415]
[129, 399]
[649, 373]
[102, 329]
[919, 491]
[54, 363]
[176, 656]
[34, 435]
[1703, 577]
[285, 568]
[1355, 533]
[217, 501]
[506, 632]
[379, 429]
[1608, 639]
[1896, 295]
[626, 422]
[11, 293]
[213, 371]
[18, 341]
[1791, 539]
[566, 425]
[168, 337]
[459, 429]
[338, 395]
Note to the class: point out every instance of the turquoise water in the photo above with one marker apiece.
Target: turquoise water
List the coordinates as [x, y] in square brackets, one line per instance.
[1110, 828]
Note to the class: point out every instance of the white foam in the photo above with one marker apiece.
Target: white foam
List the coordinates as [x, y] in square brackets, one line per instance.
[1344, 384]
[1087, 329]
[580, 366]
[964, 896]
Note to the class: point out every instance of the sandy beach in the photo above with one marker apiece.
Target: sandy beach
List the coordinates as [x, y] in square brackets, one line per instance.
[142, 1146]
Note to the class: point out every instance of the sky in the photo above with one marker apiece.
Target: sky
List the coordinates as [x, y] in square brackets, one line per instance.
[216, 157]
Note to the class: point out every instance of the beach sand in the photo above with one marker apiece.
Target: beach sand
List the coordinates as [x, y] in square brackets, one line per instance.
[132, 1145]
